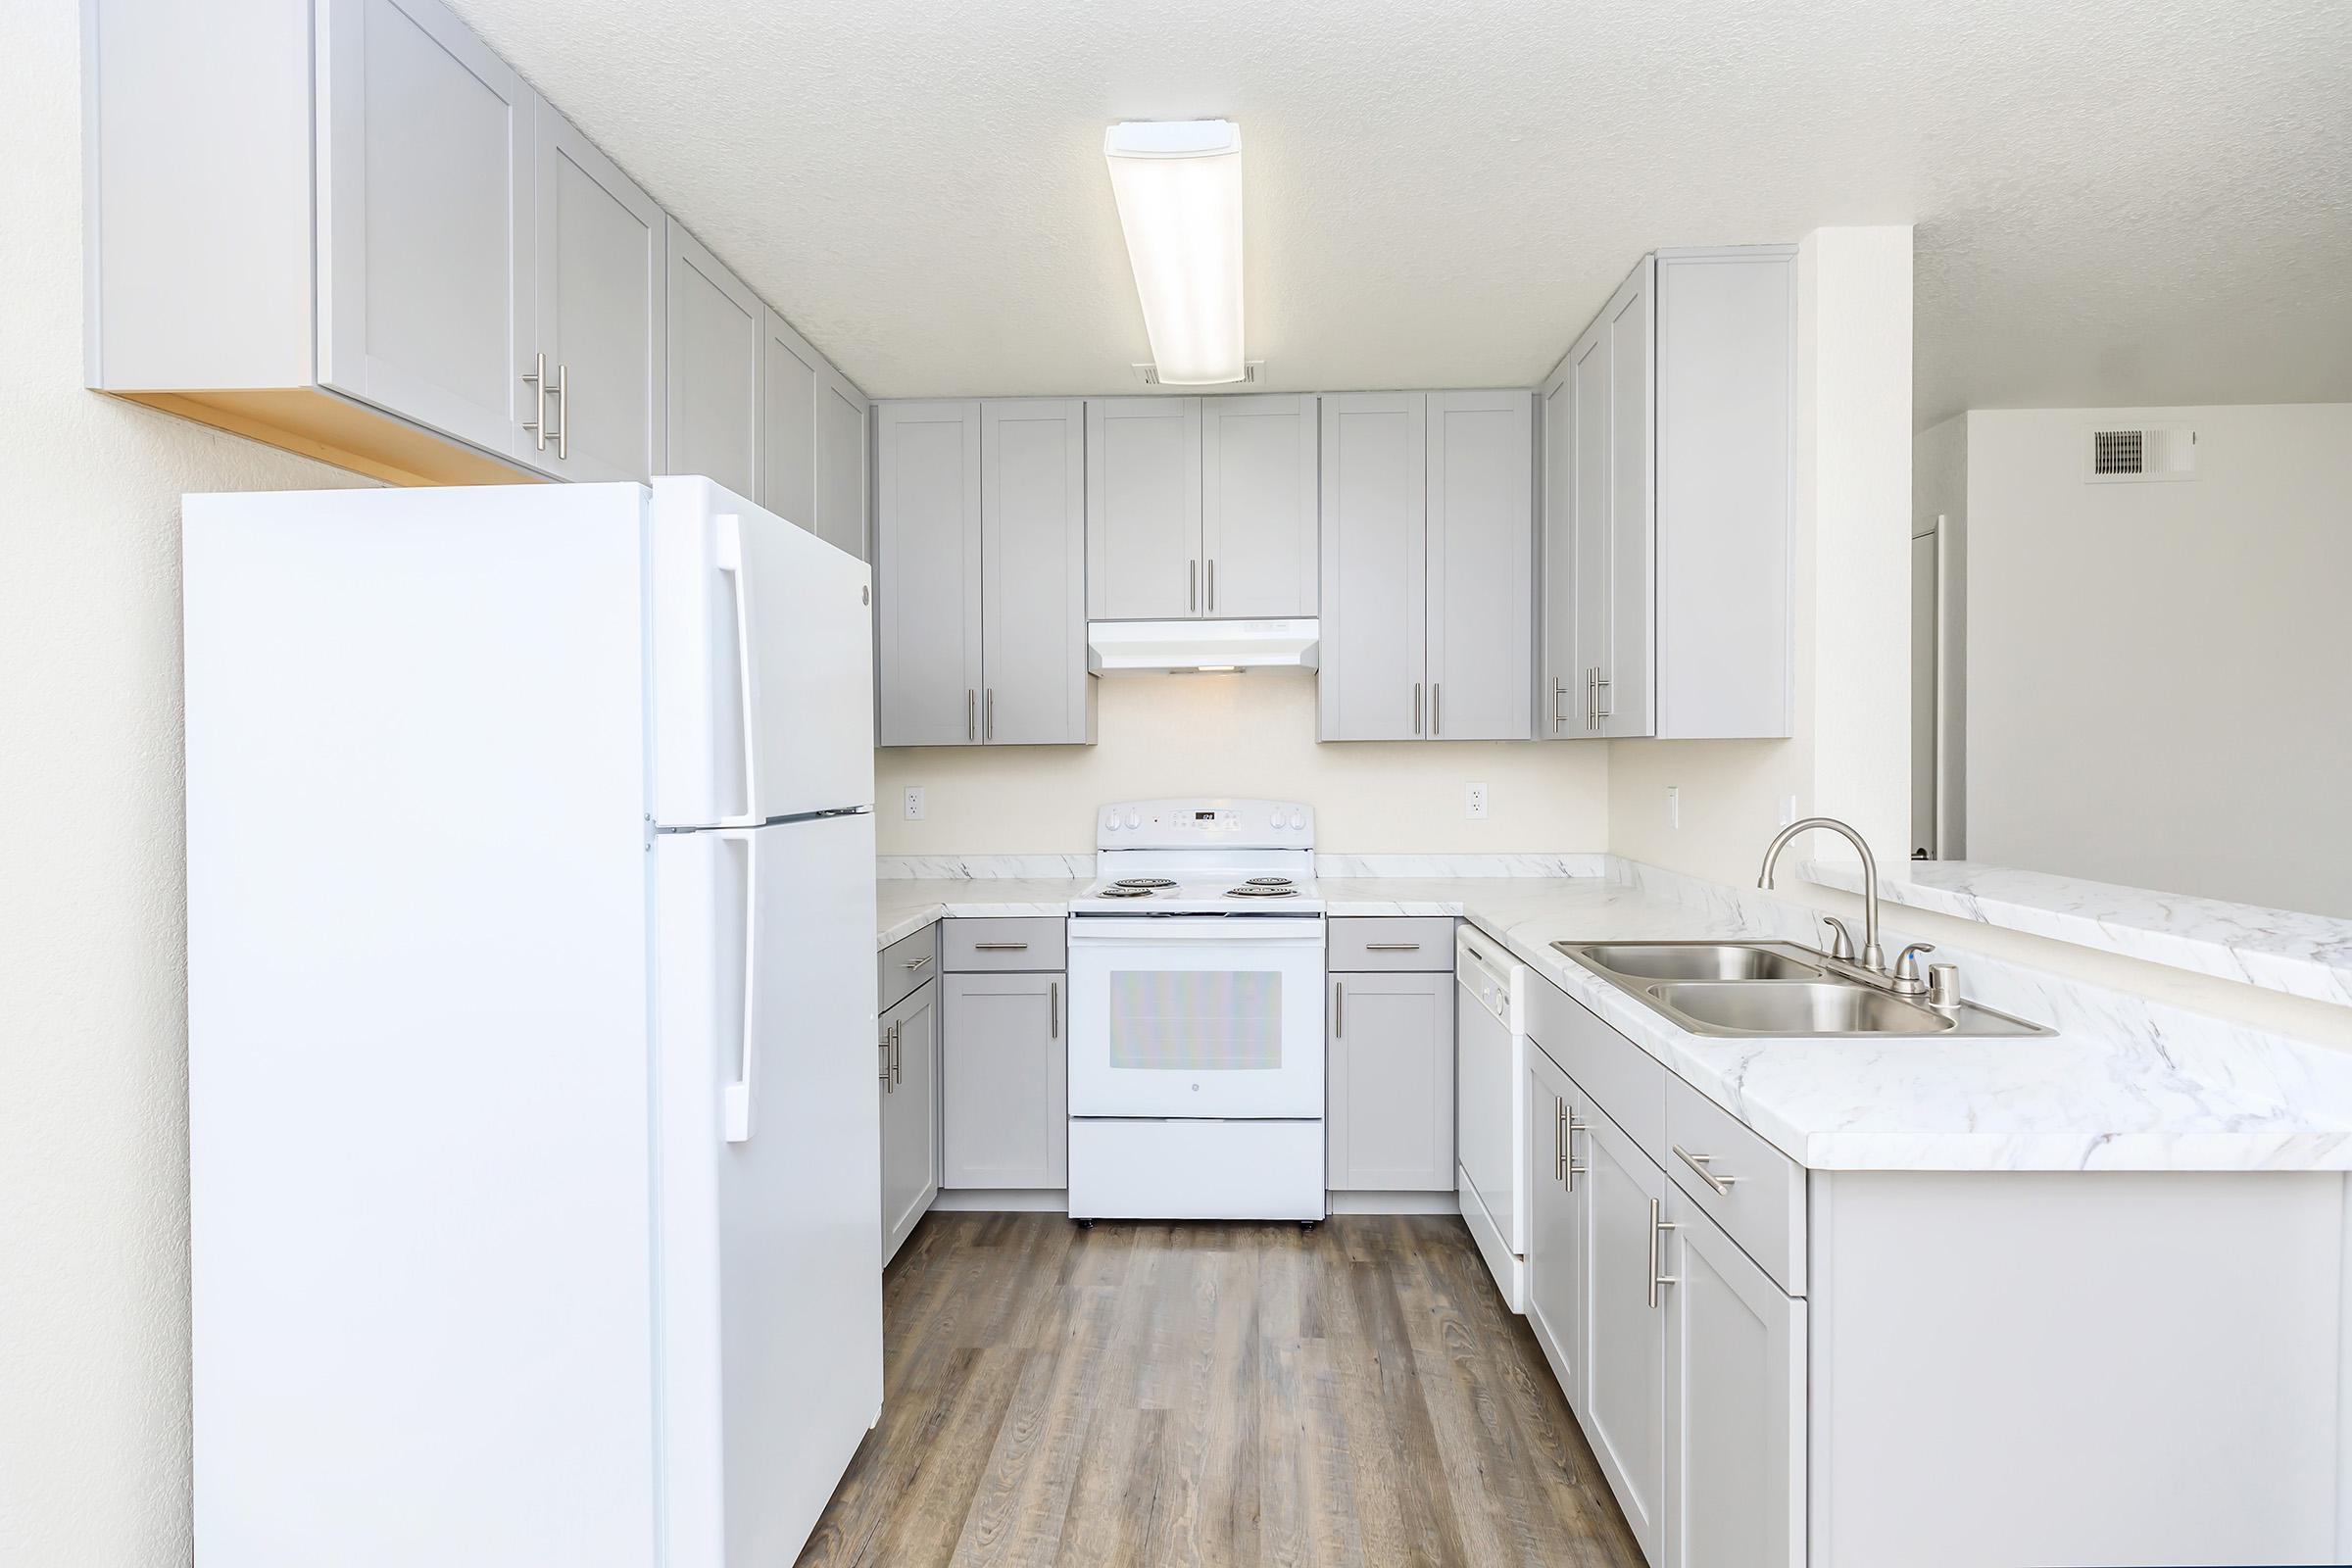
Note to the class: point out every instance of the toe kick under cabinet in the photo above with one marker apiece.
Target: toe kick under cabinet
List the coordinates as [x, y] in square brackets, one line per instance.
[1851, 1368]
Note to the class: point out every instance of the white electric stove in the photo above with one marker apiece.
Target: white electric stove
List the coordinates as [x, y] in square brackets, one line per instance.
[1196, 995]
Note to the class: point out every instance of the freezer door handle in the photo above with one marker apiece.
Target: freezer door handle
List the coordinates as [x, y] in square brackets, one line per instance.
[736, 1099]
[727, 550]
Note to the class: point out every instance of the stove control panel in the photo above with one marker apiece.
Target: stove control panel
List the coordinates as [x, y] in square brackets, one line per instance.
[1219, 822]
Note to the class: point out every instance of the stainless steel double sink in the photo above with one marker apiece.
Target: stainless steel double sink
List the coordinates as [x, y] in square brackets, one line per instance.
[1776, 990]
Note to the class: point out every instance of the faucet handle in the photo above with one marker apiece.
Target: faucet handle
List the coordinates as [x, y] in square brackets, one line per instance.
[1907, 978]
[1841, 940]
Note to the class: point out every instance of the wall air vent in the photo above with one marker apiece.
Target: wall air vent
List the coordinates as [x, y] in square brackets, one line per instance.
[2151, 452]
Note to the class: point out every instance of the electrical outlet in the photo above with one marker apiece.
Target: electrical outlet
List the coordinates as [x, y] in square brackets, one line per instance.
[1474, 801]
[1674, 806]
[912, 809]
[1787, 810]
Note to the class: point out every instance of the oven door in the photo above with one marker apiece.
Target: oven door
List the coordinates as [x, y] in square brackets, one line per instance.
[1196, 1016]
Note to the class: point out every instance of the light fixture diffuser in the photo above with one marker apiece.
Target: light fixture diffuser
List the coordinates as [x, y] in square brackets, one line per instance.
[1178, 184]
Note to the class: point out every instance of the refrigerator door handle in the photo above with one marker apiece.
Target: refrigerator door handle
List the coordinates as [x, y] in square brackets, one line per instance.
[736, 1098]
[727, 552]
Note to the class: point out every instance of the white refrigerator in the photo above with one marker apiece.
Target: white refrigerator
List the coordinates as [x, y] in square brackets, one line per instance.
[532, 1128]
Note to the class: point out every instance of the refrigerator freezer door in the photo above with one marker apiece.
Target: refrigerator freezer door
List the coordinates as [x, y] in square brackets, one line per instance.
[770, 1258]
[763, 656]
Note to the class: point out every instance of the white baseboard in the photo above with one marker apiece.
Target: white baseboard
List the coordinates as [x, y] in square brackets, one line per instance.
[1003, 1200]
[1395, 1203]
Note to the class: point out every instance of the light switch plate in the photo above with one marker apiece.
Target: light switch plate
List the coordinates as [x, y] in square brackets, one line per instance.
[1474, 801]
[912, 808]
[1674, 806]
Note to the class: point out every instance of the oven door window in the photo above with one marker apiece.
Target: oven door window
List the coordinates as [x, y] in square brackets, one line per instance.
[1209, 1020]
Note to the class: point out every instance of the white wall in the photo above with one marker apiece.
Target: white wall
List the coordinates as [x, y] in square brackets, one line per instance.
[93, 1049]
[1248, 735]
[2160, 674]
[1850, 755]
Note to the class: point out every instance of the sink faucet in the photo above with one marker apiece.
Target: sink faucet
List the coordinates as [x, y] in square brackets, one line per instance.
[1874, 956]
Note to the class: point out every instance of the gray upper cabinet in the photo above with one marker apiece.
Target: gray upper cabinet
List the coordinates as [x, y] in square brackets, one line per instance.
[1481, 478]
[1667, 460]
[1375, 554]
[842, 419]
[715, 353]
[1427, 547]
[789, 369]
[600, 244]
[1142, 507]
[927, 574]
[1034, 687]
[425, 266]
[1258, 507]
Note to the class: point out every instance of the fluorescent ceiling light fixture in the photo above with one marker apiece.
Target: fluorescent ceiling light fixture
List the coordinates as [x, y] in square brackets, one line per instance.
[1178, 184]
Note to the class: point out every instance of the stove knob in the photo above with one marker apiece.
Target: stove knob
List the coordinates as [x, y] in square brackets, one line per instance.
[1277, 817]
[1298, 817]
[1134, 821]
[1111, 821]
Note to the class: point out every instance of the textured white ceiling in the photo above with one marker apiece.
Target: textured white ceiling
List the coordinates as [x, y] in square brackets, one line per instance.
[2117, 201]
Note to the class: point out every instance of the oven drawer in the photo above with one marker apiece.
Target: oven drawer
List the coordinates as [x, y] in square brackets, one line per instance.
[977, 945]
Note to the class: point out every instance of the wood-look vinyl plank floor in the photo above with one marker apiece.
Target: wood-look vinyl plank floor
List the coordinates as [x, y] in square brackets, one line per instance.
[1198, 1392]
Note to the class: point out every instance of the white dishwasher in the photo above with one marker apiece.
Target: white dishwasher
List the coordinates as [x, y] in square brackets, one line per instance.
[1490, 1140]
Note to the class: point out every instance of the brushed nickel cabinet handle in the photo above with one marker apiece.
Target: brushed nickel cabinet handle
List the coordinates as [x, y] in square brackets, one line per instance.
[1339, 1008]
[971, 723]
[1392, 946]
[1054, 1009]
[564, 410]
[1658, 1254]
[999, 946]
[885, 1043]
[898, 1053]
[917, 963]
[1560, 1139]
[1416, 707]
[990, 731]
[536, 379]
[1192, 586]
[1212, 584]
[1720, 1186]
[1437, 725]
[1558, 719]
[1573, 1170]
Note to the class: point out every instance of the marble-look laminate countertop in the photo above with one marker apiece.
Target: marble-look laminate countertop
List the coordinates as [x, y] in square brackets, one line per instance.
[2109, 1092]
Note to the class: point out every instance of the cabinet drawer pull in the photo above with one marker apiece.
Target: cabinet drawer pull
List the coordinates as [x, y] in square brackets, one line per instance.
[1416, 707]
[897, 1053]
[1339, 1008]
[1392, 946]
[1191, 585]
[1571, 1169]
[1054, 1009]
[1560, 1139]
[971, 708]
[1437, 725]
[1720, 1186]
[989, 731]
[917, 963]
[563, 408]
[1212, 584]
[999, 946]
[887, 1035]
[1657, 1252]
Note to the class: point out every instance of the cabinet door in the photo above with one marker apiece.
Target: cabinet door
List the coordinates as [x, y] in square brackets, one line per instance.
[1389, 1114]
[1587, 494]
[1481, 556]
[1559, 675]
[1735, 1405]
[788, 389]
[1004, 1081]
[713, 384]
[1142, 507]
[841, 467]
[1258, 507]
[1625, 1324]
[1557, 1193]
[1627, 700]
[424, 221]
[1035, 688]
[600, 308]
[910, 1113]
[1375, 543]
[927, 574]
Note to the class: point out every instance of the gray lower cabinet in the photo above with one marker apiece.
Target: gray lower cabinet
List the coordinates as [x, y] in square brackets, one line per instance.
[1556, 1215]
[1005, 1077]
[1735, 1439]
[1622, 1325]
[714, 381]
[1427, 550]
[1389, 1112]
[910, 1113]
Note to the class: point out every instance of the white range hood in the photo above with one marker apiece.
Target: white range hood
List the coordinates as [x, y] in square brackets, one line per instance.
[1162, 646]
